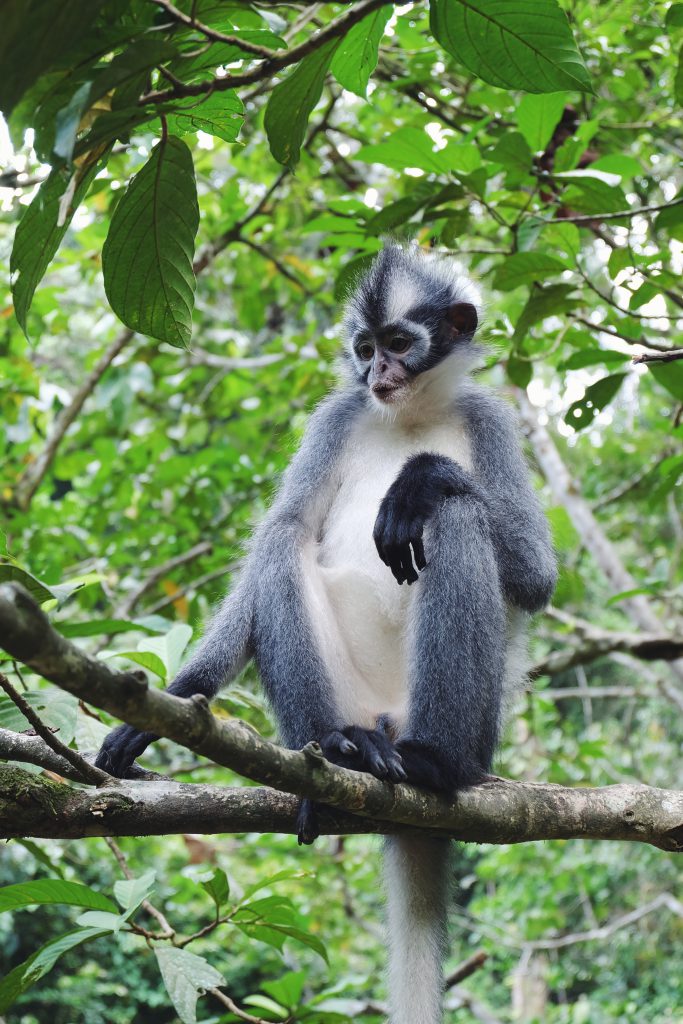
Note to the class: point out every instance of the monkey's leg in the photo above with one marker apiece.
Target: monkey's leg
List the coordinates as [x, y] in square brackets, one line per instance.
[458, 652]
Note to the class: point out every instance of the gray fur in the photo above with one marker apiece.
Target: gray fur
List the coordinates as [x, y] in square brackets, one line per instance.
[487, 549]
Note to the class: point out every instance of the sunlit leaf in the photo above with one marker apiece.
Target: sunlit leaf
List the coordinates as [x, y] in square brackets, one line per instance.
[528, 46]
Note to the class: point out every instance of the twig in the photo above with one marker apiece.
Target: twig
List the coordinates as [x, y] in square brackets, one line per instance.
[663, 900]
[589, 217]
[658, 357]
[272, 65]
[195, 584]
[35, 472]
[88, 772]
[158, 573]
[616, 333]
[167, 929]
[212, 34]
[466, 968]
[234, 1008]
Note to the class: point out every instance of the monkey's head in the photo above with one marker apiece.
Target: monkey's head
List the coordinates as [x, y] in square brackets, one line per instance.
[411, 311]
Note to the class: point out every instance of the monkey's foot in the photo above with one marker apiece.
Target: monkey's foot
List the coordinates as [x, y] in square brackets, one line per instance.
[120, 749]
[425, 767]
[364, 750]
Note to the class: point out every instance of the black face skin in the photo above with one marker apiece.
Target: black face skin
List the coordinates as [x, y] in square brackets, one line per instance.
[392, 356]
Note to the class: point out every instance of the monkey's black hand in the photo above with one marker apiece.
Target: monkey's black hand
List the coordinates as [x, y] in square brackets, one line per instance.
[362, 750]
[414, 496]
[120, 749]
[426, 768]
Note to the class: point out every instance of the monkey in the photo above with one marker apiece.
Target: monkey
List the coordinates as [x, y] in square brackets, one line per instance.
[386, 595]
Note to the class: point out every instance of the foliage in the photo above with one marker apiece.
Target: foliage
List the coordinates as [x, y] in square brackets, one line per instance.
[553, 172]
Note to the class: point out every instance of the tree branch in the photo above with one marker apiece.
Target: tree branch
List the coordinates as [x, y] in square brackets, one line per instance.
[599, 643]
[589, 218]
[498, 811]
[658, 357]
[272, 65]
[158, 573]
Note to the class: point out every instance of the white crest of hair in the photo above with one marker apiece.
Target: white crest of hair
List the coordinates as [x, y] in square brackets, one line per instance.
[417, 881]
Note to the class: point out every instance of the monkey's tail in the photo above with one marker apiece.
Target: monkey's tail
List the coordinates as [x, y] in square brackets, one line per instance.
[417, 884]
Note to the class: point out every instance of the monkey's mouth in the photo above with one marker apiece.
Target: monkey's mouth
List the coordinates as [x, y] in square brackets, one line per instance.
[387, 392]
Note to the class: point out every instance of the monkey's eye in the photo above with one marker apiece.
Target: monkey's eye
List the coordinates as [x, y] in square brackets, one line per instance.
[365, 351]
[399, 344]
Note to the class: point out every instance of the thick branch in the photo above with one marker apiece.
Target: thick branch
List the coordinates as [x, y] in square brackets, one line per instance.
[659, 357]
[599, 643]
[497, 812]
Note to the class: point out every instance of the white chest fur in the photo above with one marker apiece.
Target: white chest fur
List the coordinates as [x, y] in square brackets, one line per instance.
[360, 612]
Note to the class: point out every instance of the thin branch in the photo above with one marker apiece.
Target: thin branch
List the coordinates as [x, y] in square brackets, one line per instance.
[498, 811]
[664, 900]
[659, 357]
[614, 332]
[234, 1008]
[88, 772]
[35, 472]
[600, 643]
[212, 34]
[284, 270]
[195, 584]
[167, 930]
[466, 968]
[270, 67]
[588, 218]
[158, 573]
[201, 357]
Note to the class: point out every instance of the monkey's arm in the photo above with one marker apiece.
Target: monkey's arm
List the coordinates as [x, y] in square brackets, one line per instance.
[519, 529]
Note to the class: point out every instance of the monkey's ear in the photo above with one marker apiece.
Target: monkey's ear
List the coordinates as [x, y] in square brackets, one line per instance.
[461, 319]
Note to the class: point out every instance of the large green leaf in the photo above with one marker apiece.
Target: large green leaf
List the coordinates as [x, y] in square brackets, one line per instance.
[56, 708]
[525, 45]
[40, 962]
[670, 376]
[186, 977]
[147, 257]
[407, 147]
[356, 56]
[292, 101]
[52, 890]
[42, 228]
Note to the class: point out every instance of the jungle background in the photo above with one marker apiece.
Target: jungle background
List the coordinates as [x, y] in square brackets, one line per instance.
[140, 440]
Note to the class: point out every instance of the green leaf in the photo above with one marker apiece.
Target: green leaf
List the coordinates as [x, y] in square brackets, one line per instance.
[220, 114]
[593, 195]
[537, 117]
[169, 648]
[102, 627]
[11, 573]
[519, 371]
[56, 708]
[287, 989]
[112, 923]
[565, 535]
[356, 56]
[131, 892]
[217, 887]
[52, 890]
[670, 376]
[582, 413]
[266, 1003]
[186, 977]
[514, 46]
[392, 215]
[292, 101]
[35, 35]
[407, 147]
[147, 257]
[678, 78]
[40, 962]
[594, 357]
[150, 662]
[525, 267]
[543, 302]
[42, 228]
[674, 16]
[512, 151]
